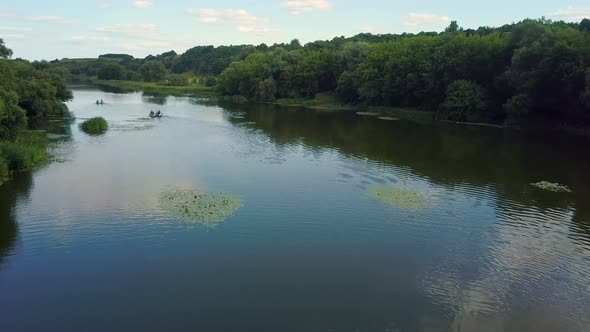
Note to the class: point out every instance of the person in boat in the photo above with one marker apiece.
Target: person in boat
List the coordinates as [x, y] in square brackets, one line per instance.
[101, 102]
[158, 113]
[152, 114]
[97, 102]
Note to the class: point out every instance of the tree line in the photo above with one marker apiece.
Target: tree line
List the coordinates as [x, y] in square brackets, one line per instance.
[28, 91]
[534, 70]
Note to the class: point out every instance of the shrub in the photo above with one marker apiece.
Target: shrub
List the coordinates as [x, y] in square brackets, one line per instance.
[465, 102]
[3, 169]
[94, 126]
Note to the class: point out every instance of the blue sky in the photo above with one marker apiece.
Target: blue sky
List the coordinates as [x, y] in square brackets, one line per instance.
[73, 28]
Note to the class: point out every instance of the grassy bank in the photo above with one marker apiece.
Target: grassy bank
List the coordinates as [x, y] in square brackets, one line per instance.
[329, 102]
[28, 150]
[156, 88]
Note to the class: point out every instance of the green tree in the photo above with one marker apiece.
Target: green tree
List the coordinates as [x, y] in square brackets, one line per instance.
[111, 71]
[267, 90]
[585, 25]
[153, 71]
[5, 52]
[465, 102]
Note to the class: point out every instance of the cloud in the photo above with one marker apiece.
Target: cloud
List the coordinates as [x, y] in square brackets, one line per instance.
[146, 31]
[241, 19]
[572, 13]
[105, 5]
[5, 14]
[14, 32]
[297, 7]
[82, 39]
[248, 29]
[49, 19]
[229, 16]
[15, 29]
[14, 36]
[416, 19]
[143, 4]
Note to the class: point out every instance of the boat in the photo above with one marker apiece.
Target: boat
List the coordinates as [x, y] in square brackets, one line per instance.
[156, 116]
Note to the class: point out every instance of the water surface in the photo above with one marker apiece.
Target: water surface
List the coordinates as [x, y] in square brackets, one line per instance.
[84, 245]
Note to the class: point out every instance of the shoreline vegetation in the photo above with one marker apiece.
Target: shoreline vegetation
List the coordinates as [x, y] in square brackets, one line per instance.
[517, 75]
[29, 92]
[94, 126]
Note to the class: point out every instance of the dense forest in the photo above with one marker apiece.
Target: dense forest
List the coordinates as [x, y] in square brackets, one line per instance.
[28, 91]
[534, 70]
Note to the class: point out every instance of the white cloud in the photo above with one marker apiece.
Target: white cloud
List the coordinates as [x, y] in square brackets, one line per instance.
[143, 4]
[249, 28]
[416, 19]
[87, 38]
[230, 16]
[146, 31]
[241, 19]
[572, 13]
[16, 29]
[13, 36]
[105, 5]
[50, 19]
[297, 7]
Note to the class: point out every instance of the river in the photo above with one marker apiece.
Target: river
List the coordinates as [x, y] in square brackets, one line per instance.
[86, 246]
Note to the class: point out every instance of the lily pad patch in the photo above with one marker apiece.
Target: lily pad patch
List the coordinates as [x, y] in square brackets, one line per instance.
[193, 206]
[555, 187]
[398, 197]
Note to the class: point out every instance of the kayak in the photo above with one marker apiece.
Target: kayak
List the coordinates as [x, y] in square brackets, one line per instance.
[156, 116]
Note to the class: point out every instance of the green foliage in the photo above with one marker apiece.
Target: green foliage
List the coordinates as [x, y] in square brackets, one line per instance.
[516, 108]
[465, 102]
[29, 149]
[177, 80]
[5, 52]
[27, 89]
[543, 60]
[111, 71]
[267, 90]
[210, 81]
[153, 71]
[94, 126]
[12, 117]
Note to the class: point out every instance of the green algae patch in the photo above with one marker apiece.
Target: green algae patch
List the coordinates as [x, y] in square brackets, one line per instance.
[555, 187]
[368, 113]
[401, 198]
[199, 207]
[388, 118]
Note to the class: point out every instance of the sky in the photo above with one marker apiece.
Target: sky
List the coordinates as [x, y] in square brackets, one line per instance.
[59, 29]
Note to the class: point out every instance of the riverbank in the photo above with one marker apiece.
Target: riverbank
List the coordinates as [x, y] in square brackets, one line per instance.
[28, 150]
[155, 88]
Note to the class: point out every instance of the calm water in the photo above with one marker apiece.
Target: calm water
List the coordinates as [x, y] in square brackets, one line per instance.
[85, 247]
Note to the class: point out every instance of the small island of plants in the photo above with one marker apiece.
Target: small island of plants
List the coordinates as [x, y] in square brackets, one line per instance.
[95, 126]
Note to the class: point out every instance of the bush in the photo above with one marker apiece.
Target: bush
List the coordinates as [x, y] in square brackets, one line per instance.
[94, 126]
[4, 172]
[465, 102]
[19, 157]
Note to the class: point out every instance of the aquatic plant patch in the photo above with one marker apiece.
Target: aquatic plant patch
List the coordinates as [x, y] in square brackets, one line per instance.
[94, 126]
[368, 113]
[555, 187]
[398, 197]
[195, 206]
[388, 118]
